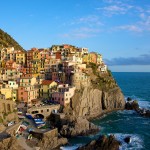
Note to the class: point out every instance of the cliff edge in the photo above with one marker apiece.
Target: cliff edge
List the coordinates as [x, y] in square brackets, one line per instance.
[99, 95]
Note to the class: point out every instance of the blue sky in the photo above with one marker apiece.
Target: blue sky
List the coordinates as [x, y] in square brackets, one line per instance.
[118, 29]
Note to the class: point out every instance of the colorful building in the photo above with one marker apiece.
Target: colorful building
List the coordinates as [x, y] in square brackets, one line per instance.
[46, 87]
[20, 57]
[64, 94]
[28, 93]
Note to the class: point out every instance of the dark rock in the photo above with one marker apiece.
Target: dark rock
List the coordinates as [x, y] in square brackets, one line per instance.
[102, 143]
[129, 99]
[132, 105]
[144, 112]
[147, 114]
[80, 126]
[127, 139]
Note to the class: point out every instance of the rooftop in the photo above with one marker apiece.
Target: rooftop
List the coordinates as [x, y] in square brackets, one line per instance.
[47, 82]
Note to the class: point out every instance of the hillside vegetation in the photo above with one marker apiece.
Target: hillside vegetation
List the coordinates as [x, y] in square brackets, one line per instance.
[7, 41]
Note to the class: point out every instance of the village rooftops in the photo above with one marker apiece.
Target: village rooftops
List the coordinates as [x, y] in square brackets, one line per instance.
[47, 82]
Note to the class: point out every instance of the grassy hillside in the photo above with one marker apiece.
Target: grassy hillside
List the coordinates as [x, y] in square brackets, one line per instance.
[7, 41]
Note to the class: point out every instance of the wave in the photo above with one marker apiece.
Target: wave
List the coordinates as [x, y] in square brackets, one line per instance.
[144, 104]
[129, 112]
[74, 147]
[136, 141]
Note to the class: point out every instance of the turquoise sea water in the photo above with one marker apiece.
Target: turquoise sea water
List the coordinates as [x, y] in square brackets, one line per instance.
[123, 123]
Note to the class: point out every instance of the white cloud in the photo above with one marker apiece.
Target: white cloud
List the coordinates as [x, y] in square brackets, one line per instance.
[140, 26]
[112, 1]
[114, 8]
[84, 27]
[142, 16]
[117, 8]
[87, 30]
[132, 28]
[91, 20]
[83, 32]
[145, 23]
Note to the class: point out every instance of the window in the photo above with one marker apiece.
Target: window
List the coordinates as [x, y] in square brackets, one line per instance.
[47, 110]
[21, 93]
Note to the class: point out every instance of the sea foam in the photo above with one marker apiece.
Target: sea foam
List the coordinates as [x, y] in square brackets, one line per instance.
[136, 141]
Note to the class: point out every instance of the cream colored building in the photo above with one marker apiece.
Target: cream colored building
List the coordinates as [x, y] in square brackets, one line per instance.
[26, 81]
[13, 84]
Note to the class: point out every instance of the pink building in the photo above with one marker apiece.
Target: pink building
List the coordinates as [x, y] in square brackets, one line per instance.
[64, 94]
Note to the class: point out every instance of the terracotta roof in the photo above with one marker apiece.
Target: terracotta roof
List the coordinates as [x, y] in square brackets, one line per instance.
[20, 52]
[47, 82]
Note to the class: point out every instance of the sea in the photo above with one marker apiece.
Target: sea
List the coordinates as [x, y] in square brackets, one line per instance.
[125, 123]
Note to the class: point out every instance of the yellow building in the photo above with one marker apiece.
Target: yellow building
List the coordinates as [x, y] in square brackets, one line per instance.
[20, 57]
[46, 86]
[7, 92]
[86, 58]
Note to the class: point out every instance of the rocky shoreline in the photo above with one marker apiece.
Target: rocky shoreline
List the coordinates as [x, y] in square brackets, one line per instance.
[89, 102]
[102, 143]
[133, 105]
[74, 119]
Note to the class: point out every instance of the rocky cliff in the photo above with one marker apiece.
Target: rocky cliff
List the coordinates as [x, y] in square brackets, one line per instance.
[94, 102]
[102, 95]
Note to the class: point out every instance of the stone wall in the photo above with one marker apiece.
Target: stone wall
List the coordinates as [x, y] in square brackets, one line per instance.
[51, 140]
[7, 112]
[44, 110]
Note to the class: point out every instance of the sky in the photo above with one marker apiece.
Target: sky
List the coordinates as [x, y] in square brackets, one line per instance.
[117, 29]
